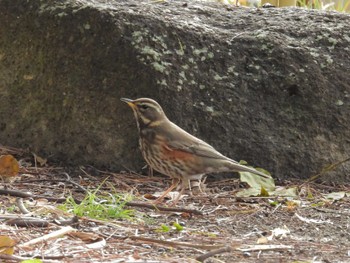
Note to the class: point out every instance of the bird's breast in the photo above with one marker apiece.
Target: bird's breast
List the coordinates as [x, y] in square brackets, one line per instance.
[148, 135]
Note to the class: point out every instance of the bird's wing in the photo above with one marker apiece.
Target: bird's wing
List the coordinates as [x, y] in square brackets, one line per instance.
[180, 140]
[186, 142]
[196, 148]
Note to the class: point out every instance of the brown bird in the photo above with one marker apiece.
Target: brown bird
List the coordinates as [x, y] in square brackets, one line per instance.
[174, 152]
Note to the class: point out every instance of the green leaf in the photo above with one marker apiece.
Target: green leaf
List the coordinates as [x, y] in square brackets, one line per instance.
[258, 185]
[34, 260]
[257, 181]
[178, 227]
[309, 195]
[264, 192]
[243, 162]
[290, 192]
[273, 203]
[163, 228]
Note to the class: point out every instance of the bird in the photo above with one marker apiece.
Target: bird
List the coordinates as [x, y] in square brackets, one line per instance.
[172, 151]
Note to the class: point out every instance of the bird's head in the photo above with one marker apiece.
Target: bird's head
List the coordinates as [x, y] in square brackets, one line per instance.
[148, 112]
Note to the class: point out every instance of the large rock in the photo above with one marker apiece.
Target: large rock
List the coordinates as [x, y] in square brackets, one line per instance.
[270, 86]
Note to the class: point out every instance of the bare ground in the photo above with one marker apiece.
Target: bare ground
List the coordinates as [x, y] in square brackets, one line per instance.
[314, 229]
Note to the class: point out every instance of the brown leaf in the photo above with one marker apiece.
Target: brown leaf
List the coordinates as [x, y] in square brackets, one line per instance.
[150, 197]
[6, 245]
[8, 167]
[41, 161]
[86, 237]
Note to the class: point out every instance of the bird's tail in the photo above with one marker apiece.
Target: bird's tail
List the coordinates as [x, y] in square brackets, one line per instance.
[236, 167]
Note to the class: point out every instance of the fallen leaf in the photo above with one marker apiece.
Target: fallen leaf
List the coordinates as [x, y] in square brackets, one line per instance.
[9, 167]
[186, 215]
[314, 221]
[6, 245]
[279, 232]
[86, 237]
[256, 181]
[33, 260]
[41, 161]
[97, 245]
[262, 240]
[259, 186]
[150, 197]
[264, 192]
[335, 195]
[248, 192]
[282, 191]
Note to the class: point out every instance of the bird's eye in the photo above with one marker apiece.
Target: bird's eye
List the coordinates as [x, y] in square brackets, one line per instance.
[144, 106]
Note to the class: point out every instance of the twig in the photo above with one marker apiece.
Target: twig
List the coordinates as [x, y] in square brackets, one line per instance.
[45, 259]
[216, 249]
[214, 252]
[55, 234]
[92, 178]
[33, 222]
[163, 208]
[326, 169]
[54, 199]
[263, 247]
[37, 222]
[12, 150]
[15, 193]
[67, 222]
[11, 258]
[174, 244]
[69, 180]
[227, 249]
[7, 217]
[21, 206]
[106, 223]
[326, 210]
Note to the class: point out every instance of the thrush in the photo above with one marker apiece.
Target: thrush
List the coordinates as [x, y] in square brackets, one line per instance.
[172, 151]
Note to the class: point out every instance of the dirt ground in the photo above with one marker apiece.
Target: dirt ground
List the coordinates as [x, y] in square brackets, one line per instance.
[216, 226]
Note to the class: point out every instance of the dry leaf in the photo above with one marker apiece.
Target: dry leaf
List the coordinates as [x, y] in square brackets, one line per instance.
[9, 167]
[186, 215]
[39, 160]
[86, 237]
[6, 245]
[262, 240]
[150, 197]
[97, 245]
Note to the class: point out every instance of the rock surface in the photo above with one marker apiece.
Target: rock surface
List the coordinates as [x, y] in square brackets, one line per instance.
[269, 86]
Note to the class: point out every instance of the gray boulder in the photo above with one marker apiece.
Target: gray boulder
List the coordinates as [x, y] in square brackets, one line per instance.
[269, 86]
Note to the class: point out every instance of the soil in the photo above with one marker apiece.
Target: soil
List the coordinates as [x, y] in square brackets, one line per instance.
[312, 228]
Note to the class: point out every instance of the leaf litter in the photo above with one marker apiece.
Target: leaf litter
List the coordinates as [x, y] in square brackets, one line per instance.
[310, 223]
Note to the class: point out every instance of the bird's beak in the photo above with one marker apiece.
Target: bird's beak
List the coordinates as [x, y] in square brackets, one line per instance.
[129, 102]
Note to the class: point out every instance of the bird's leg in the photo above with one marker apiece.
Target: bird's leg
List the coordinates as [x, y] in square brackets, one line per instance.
[197, 183]
[175, 183]
[188, 184]
[184, 183]
[150, 171]
[201, 182]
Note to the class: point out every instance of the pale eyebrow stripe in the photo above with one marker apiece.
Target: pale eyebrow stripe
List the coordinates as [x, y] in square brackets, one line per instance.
[149, 105]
